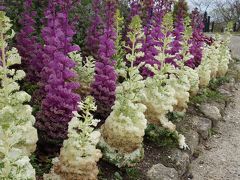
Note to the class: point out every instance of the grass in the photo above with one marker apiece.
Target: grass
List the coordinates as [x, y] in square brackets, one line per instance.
[133, 173]
[207, 95]
[211, 93]
[117, 176]
[120, 174]
[161, 136]
[215, 83]
[212, 132]
[175, 117]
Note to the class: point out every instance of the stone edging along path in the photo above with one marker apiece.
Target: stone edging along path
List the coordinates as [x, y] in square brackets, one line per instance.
[221, 159]
[212, 131]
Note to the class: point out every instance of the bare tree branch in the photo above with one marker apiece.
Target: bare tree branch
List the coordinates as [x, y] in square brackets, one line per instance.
[202, 5]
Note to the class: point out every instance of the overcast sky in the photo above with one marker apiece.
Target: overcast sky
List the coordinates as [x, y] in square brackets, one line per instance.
[191, 5]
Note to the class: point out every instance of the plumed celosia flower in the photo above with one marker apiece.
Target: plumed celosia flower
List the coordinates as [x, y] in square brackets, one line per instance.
[204, 69]
[95, 29]
[56, 87]
[79, 156]
[160, 9]
[197, 40]
[123, 131]
[27, 45]
[165, 39]
[85, 69]
[16, 119]
[163, 92]
[210, 63]
[225, 55]
[215, 60]
[104, 85]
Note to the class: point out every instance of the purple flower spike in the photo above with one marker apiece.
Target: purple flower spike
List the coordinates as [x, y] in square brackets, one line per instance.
[95, 30]
[177, 33]
[56, 84]
[104, 85]
[27, 45]
[153, 35]
[197, 40]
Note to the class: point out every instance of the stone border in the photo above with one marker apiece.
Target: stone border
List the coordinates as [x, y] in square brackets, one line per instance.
[198, 125]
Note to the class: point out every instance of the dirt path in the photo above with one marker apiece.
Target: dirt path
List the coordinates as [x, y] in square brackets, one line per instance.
[221, 158]
[235, 46]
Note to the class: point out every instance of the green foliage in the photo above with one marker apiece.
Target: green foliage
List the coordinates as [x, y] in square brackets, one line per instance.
[207, 95]
[83, 11]
[211, 93]
[117, 176]
[40, 167]
[212, 132]
[174, 116]
[161, 136]
[215, 83]
[14, 8]
[119, 56]
[133, 173]
[30, 88]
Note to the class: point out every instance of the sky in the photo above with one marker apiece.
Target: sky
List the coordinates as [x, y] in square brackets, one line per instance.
[191, 6]
[189, 2]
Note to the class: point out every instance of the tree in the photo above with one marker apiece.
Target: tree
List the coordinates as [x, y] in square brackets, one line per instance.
[226, 11]
[202, 5]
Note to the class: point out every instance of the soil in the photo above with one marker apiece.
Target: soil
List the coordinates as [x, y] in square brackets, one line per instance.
[153, 154]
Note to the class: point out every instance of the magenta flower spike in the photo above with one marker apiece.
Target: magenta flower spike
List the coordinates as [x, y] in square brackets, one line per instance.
[56, 86]
[27, 45]
[177, 34]
[153, 35]
[104, 85]
[197, 40]
[95, 29]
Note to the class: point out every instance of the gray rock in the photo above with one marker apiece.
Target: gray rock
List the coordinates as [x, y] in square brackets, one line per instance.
[161, 172]
[224, 92]
[180, 160]
[237, 71]
[202, 125]
[220, 106]
[227, 88]
[211, 112]
[192, 140]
